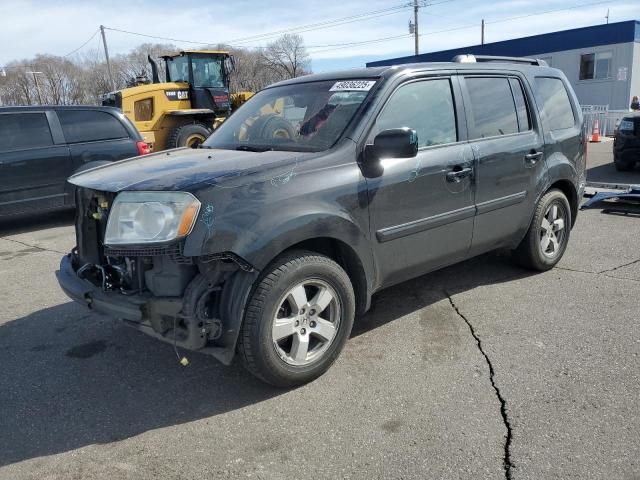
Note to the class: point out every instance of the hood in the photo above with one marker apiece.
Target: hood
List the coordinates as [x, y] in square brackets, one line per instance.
[186, 169]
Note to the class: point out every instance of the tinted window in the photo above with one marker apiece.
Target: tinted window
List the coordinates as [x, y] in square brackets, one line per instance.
[524, 122]
[492, 107]
[427, 107]
[556, 107]
[24, 130]
[90, 126]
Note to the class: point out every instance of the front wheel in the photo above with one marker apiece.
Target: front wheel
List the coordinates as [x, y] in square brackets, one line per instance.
[548, 235]
[190, 135]
[297, 319]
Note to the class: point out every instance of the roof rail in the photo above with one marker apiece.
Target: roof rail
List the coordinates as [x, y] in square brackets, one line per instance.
[489, 58]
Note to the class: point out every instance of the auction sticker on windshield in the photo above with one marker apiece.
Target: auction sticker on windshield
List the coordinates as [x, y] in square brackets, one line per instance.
[362, 85]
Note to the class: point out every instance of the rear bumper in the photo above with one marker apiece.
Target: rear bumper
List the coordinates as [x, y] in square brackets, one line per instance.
[92, 297]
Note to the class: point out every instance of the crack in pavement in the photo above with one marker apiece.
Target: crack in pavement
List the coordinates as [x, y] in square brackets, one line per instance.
[33, 246]
[603, 272]
[620, 266]
[506, 462]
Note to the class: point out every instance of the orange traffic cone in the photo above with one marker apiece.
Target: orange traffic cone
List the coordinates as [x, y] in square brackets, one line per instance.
[595, 135]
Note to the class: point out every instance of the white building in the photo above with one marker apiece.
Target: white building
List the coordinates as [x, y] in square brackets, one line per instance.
[601, 62]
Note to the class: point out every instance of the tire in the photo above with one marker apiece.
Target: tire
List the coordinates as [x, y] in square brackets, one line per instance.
[286, 362]
[537, 252]
[189, 135]
[272, 127]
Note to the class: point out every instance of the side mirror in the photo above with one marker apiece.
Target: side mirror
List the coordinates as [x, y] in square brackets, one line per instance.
[393, 143]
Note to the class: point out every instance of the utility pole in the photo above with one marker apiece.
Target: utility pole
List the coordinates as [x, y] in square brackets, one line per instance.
[106, 55]
[415, 26]
[607, 16]
[35, 80]
[482, 33]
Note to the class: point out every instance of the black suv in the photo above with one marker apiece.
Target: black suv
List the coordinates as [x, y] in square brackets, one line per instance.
[626, 143]
[40, 147]
[320, 191]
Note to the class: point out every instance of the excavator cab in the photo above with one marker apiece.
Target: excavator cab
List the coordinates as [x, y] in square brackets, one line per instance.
[207, 73]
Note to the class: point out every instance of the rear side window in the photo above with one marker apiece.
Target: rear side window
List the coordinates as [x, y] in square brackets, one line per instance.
[556, 106]
[427, 107]
[90, 126]
[524, 120]
[24, 130]
[493, 111]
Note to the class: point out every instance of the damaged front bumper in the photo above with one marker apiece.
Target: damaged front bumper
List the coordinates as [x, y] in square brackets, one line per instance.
[146, 313]
[107, 303]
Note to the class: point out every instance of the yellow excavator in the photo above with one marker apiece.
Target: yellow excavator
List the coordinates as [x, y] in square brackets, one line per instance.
[184, 109]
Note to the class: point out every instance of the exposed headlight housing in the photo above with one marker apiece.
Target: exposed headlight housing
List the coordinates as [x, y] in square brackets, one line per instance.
[151, 217]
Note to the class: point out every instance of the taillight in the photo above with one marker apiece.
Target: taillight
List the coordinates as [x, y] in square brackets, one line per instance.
[143, 148]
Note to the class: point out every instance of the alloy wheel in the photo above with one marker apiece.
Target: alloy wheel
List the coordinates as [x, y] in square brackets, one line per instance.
[306, 322]
[552, 230]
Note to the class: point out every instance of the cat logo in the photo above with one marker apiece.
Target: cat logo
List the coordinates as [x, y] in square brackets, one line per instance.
[176, 95]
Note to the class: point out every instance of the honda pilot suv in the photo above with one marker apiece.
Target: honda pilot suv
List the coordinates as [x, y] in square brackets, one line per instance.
[271, 238]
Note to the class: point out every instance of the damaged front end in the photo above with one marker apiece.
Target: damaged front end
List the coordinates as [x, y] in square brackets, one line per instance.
[196, 303]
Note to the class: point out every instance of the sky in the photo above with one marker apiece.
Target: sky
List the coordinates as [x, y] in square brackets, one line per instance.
[59, 27]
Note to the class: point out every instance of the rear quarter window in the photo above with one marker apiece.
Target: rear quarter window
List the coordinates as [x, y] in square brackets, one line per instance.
[90, 126]
[555, 105]
[24, 130]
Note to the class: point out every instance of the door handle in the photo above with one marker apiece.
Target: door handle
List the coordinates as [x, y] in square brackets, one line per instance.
[533, 157]
[457, 175]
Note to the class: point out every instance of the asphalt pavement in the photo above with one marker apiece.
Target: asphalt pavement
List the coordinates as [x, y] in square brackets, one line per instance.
[480, 370]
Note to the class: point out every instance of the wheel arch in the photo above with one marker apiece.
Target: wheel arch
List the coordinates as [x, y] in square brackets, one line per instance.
[345, 256]
[569, 190]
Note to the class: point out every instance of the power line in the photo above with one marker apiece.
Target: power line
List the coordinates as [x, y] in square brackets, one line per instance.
[461, 27]
[84, 44]
[300, 29]
[328, 23]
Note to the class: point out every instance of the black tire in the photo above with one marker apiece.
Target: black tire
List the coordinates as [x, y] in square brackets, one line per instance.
[272, 127]
[530, 252]
[256, 345]
[182, 135]
[623, 166]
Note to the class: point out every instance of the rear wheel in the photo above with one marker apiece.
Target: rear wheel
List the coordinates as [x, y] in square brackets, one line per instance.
[548, 235]
[190, 135]
[297, 320]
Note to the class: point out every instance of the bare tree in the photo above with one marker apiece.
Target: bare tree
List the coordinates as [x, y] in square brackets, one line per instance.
[83, 78]
[287, 56]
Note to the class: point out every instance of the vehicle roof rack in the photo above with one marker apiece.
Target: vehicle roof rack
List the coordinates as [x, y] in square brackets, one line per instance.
[490, 58]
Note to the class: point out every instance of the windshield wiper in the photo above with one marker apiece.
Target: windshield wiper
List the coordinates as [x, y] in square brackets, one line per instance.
[248, 148]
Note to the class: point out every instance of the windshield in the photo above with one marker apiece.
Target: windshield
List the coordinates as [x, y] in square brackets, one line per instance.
[299, 117]
[178, 68]
[207, 72]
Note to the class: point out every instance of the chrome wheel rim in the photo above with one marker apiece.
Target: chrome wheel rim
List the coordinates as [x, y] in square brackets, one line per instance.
[552, 230]
[306, 322]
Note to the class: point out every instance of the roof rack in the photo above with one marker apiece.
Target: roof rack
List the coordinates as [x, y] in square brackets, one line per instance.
[489, 58]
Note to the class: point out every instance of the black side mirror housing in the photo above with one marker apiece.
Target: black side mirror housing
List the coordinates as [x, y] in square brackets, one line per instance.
[393, 143]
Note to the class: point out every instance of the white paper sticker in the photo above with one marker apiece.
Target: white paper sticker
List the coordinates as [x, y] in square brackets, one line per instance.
[346, 85]
[622, 73]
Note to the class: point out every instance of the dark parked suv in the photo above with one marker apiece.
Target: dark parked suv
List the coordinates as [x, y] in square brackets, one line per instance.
[40, 147]
[626, 143]
[320, 191]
